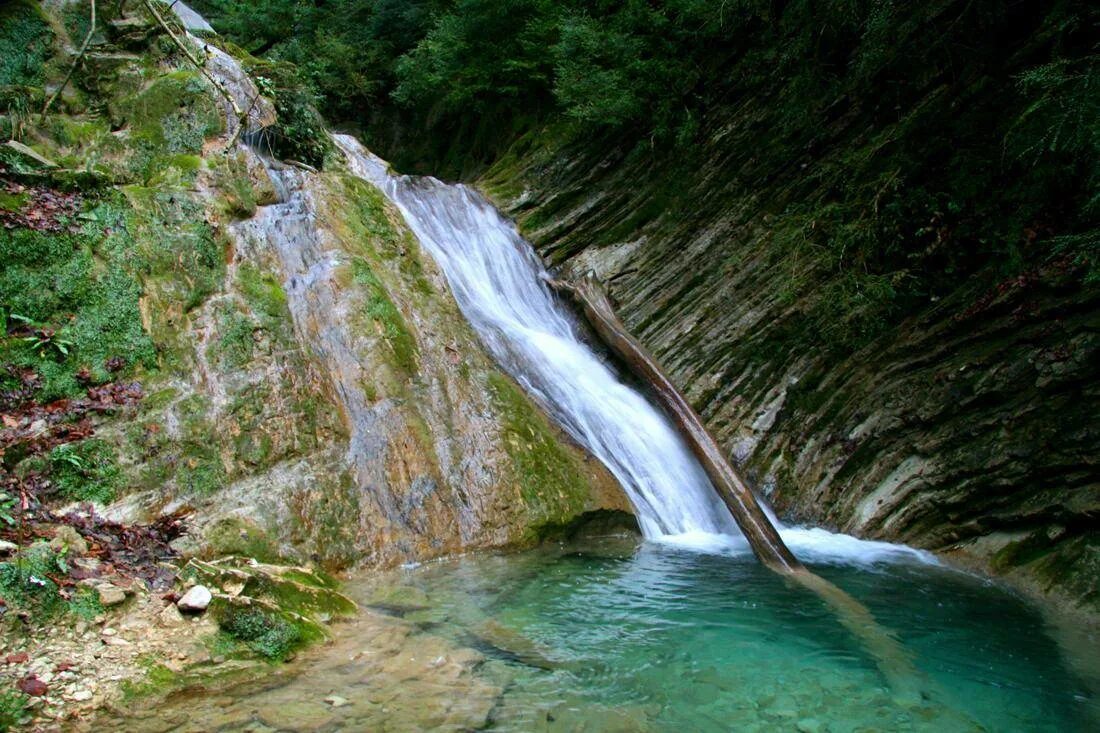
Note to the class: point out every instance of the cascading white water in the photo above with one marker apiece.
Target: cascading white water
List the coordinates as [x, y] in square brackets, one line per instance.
[499, 284]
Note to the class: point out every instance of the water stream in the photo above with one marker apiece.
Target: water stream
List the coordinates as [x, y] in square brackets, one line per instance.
[499, 284]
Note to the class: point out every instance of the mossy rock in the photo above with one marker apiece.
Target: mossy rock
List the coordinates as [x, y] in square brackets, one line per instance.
[171, 117]
[235, 536]
[552, 481]
[295, 589]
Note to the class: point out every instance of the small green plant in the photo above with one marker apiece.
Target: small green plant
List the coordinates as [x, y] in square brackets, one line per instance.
[86, 471]
[85, 604]
[26, 582]
[13, 709]
[7, 508]
[264, 633]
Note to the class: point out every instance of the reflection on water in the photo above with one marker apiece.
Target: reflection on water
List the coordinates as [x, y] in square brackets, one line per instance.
[615, 636]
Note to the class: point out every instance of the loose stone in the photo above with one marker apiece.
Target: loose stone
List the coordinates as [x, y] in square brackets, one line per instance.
[195, 600]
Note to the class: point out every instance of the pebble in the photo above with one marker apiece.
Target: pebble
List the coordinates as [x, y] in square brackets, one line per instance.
[7, 548]
[195, 600]
[336, 701]
[82, 695]
[808, 725]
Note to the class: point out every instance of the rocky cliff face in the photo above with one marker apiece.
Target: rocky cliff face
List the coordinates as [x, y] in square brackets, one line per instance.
[967, 427]
[310, 389]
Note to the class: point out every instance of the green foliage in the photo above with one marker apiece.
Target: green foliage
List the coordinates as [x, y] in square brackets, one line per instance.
[300, 132]
[79, 286]
[26, 583]
[86, 471]
[8, 504]
[265, 633]
[25, 44]
[13, 709]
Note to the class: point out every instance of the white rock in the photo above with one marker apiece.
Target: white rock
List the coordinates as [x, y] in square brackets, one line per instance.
[82, 695]
[336, 701]
[6, 548]
[195, 600]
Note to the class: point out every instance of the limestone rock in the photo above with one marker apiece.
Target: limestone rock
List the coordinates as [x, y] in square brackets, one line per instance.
[170, 617]
[111, 595]
[195, 600]
[20, 153]
[67, 537]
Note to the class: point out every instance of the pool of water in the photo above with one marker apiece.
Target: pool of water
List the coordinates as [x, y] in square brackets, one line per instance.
[617, 635]
[673, 639]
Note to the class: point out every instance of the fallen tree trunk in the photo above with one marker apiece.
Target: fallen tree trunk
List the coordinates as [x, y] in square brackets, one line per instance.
[750, 517]
[762, 535]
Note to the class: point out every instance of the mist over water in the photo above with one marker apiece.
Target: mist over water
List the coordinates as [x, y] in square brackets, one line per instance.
[499, 284]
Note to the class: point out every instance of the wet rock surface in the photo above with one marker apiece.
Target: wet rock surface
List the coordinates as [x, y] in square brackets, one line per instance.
[380, 673]
[967, 429]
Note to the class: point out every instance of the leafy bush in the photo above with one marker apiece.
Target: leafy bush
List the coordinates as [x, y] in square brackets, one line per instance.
[300, 133]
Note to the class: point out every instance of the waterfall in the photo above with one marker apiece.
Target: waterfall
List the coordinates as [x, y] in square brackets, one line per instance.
[499, 284]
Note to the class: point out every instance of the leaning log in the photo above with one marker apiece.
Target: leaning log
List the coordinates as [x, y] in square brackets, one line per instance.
[750, 517]
[758, 529]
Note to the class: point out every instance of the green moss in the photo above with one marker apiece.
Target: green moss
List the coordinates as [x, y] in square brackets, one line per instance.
[80, 285]
[194, 463]
[158, 680]
[264, 293]
[377, 224]
[551, 480]
[12, 201]
[327, 518]
[26, 42]
[86, 471]
[13, 709]
[235, 344]
[180, 262]
[170, 120]
[238, 196]
[234, 536]
[389, 320]
[85, 604]
[265, 633]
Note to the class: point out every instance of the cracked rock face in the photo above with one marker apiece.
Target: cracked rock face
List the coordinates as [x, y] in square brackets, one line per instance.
[967, 429]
